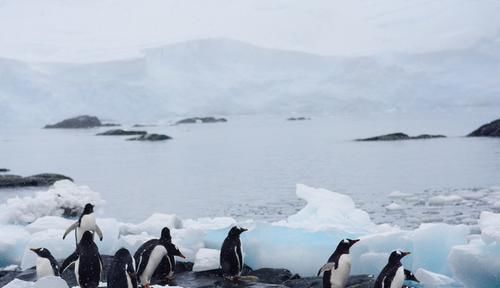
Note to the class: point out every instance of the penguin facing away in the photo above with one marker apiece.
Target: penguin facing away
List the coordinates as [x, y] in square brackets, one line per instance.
[393, 274]
[121, 273]
[86, 222]
[87, 261]
[231, 257]
[46, 264]
[152, 253]
[338, 268]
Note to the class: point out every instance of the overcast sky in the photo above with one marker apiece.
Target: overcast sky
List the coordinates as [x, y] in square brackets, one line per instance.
[70, 29]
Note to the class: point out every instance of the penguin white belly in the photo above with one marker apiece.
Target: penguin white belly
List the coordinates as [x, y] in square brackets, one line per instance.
[129, 281]
[87, 223]
[43, 268]
[77, 273]
[154, 259]
[399, 278]
[339, 276]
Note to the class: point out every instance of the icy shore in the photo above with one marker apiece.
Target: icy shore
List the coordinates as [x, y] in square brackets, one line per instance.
[444, 255]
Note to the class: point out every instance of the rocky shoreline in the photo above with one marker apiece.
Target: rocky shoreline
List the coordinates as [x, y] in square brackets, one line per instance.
[44, 179]
[185, 277]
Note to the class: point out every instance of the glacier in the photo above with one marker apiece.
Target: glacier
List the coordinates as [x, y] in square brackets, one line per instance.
[443, 255]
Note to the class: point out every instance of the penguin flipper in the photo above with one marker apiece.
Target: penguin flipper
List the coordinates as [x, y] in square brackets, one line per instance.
[98, 231]
[68, 261]
[71, 228]
[327, 267]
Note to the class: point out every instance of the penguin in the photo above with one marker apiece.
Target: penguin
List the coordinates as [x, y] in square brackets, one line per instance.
[336, 271]
[393, 274]
[152, 253]
[231, 257]
[121, 274]
[46, 264]
[87, 260]
[409, 276]
[86, 222]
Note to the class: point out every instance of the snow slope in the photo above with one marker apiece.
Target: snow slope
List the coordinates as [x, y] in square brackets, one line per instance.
[221, 76]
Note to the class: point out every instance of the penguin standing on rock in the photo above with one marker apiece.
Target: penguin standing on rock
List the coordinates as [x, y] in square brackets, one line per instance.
[336, 271]
[46, 265]
[121, 274]
[149, 256]
[393, 275]
[86, 222]
[231, 257]
[88, 262]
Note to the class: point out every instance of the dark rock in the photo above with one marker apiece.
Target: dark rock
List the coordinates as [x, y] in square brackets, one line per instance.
[121, 132]
[298, 118]
[487, 130]
[84, 121]
[261, 278]
[46, 179]
[151, 137]
[272, 276]
[143, 125]
[3, 170]
[400, 136]
[201, 120]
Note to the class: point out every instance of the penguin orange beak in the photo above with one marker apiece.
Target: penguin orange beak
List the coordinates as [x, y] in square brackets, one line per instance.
[355, 240]
[33, 249]
[405, 253]
[182, 256]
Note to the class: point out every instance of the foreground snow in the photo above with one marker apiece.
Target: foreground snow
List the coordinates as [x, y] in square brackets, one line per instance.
[441, 253]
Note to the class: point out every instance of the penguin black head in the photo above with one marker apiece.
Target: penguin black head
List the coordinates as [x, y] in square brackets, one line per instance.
[397, 255]
[122, 256]
[345, 245]
[410, 276]
[236, 231]
[88, 209]
[174, 251]
[41, 252]
[87, 237]
[165, 235]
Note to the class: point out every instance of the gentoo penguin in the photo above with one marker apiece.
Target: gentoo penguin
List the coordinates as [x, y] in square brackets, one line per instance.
[231, 258]
[121, 274]
[86, 222]
[393, 274]
[410, 276]
[337, 269]
[87, 260]
[164, 238]
[150, 255]
[46, 265]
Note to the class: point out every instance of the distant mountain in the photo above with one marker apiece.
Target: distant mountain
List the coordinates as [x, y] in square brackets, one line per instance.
[221, 77]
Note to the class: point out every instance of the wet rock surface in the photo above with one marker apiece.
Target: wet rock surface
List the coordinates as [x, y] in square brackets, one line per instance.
[44, 179]
[491, 129]
[80, 122]
[265, 277]
[400, 136]
[121, 132]
[151, 137]
[194, 120]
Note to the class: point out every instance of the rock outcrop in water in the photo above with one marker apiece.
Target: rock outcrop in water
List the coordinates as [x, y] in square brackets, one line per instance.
[45, 179]
[194, 120]
[80, 122]
[184, 277]
[400, 136]
[121, 132]
[298, 118]
[491, 129]
[151, 137]
[4, 170]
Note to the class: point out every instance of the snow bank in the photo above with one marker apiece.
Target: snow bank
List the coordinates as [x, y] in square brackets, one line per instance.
[46, 282]
[477, 264]
[63, 194]
[13, 240]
